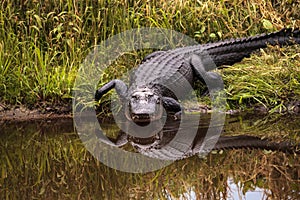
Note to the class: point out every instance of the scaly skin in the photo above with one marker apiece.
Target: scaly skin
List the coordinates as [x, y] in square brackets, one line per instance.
[166, 76]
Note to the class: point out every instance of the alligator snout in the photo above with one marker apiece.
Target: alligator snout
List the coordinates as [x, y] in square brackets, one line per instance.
[144, 106]
[145, 115]
[144, 112]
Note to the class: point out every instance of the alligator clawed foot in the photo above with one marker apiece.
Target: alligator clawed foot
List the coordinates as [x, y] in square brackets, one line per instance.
[177, 116]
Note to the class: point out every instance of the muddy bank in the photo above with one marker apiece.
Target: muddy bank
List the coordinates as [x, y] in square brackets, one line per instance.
[21, 113]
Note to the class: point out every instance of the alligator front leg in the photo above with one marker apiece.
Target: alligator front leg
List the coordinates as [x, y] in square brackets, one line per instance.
[120, 87]
[212, 80]
[173, 106]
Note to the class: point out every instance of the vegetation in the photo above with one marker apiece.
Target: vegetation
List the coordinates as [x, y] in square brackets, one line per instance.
[271, 79]
[42, 44]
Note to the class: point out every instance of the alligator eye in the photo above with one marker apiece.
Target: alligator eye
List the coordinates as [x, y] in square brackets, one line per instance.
[158, 100]
[149, 95]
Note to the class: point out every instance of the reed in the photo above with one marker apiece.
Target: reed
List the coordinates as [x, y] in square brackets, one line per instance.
[42, 43]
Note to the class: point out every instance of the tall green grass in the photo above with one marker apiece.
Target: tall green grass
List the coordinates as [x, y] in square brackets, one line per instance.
[270, 79]
[42, 43]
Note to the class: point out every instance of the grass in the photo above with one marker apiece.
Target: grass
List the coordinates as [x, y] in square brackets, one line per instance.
[270, 78]
[43, 43]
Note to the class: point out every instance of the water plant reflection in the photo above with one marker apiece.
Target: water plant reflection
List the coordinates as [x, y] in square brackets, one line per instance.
[48, 160]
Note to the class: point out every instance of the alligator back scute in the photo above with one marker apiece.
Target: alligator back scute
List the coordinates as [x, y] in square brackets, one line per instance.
[232, 51]
[165, 71]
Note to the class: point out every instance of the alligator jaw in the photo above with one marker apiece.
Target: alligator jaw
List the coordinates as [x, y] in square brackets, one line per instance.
[145, 118]
[141, 117]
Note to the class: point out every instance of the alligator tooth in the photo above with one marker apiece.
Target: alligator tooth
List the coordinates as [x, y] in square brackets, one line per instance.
[134, 117]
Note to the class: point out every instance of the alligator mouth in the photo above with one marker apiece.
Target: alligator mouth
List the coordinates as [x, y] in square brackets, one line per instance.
[144, 119]
[141, 117]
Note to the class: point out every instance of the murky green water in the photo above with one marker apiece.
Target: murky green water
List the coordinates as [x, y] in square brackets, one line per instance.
[47, 160]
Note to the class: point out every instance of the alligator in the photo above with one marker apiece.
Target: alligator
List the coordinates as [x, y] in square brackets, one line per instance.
[151, 89]
[167, 144]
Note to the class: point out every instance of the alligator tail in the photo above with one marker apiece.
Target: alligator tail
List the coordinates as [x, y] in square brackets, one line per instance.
[232, 51]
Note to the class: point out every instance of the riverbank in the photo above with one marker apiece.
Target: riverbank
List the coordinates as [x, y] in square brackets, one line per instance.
[48, 113]
[21, 113]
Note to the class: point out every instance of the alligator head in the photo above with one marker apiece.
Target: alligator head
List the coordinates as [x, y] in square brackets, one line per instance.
[144, 105]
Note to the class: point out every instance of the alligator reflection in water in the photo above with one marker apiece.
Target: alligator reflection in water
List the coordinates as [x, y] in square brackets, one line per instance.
[46, 160]
[166, 144]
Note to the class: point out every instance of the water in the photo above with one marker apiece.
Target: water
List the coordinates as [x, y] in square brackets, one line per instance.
[47, 160]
